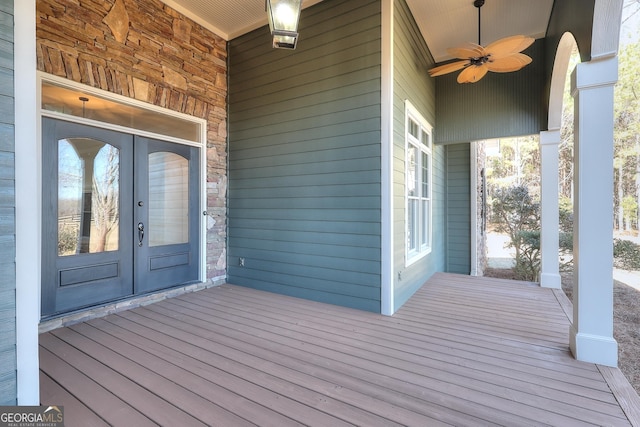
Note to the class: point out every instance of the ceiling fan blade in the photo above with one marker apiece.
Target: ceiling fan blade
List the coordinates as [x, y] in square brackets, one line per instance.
[506, 64]
[466, 51]
[472, 73]
[448, 68]
[508, 45]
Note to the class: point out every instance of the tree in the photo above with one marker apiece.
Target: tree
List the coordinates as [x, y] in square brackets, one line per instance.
[629, 211]
[516, 213]
[627, 132]
[518, 163]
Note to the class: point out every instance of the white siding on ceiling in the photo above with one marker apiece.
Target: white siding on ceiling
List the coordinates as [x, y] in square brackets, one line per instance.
[443, 24]
[227, 18]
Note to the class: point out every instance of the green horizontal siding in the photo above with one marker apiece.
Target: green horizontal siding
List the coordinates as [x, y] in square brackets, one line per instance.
[499, 105]
[411, 82]
[8, 387]
[458, 208]
[304, 158]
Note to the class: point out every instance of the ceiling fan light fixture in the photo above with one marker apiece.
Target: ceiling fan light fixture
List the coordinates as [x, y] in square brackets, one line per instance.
[501, 56]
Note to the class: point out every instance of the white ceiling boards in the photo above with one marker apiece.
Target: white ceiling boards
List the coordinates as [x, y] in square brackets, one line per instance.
[442, 23]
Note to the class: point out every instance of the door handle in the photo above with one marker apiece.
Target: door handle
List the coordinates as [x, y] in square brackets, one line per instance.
[140, 233]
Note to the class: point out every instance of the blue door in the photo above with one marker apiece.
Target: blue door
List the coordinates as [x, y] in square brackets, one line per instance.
[120, 216]
[166, 195]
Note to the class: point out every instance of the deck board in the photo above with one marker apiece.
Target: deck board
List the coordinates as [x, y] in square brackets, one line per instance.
[85, 389]
[120, 381]
[463, 351]
[417, 348]
[493, 361]
[76, 413]
[361, 323]
[268, 387]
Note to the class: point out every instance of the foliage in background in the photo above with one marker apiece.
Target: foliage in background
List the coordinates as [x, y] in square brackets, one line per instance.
[528, 262]
[627, 138]
[629, 211]
[517, 164]
[518, 214]
[626, 254]
[626, 131]
[565, 214]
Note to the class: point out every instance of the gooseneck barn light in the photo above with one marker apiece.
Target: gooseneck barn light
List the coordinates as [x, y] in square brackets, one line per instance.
[283, 22]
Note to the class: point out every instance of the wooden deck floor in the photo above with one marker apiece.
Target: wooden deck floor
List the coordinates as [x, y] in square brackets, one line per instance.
[462, 351]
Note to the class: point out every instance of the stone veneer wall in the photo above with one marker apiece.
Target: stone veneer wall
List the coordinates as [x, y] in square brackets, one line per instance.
[480, 232]
[145, 50]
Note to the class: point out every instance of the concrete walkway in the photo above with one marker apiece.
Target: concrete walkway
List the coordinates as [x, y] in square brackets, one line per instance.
[499, 255]
[629, 278]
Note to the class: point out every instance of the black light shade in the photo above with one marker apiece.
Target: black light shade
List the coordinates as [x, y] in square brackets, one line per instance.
[283, 22]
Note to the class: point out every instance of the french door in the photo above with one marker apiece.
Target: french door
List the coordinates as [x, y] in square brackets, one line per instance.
[120, 215]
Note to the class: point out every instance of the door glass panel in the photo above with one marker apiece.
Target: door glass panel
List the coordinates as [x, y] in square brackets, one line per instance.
[88, 194]
[168, 199]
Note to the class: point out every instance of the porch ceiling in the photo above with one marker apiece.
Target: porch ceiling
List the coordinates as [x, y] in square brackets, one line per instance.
[443, 24]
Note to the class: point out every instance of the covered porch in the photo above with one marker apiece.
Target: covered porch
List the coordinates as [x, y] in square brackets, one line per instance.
[462, 351]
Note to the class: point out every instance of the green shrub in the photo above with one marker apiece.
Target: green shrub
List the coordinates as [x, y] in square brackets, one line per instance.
[518, 214]
[528, 260]
[565, 245]
[565, 213]
[626, 254]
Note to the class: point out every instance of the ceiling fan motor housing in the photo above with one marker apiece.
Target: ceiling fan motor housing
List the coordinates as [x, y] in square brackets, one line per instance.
[479, 60]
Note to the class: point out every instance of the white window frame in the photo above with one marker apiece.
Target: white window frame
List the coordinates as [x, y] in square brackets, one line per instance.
[423, 143]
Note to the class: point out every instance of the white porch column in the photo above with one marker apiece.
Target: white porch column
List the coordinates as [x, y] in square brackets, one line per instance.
[550, 269]
[591, 336]
[28, 206]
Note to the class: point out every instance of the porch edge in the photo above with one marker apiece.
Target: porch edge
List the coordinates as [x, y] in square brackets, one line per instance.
[624, 393]
[564, 302]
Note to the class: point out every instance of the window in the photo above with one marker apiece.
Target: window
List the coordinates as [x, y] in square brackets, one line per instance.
[89, 105]
[418, 175]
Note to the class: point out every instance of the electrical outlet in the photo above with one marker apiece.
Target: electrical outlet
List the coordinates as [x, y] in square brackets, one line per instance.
[241, 262]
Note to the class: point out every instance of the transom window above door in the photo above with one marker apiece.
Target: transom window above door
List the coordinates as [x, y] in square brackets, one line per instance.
[78, 103]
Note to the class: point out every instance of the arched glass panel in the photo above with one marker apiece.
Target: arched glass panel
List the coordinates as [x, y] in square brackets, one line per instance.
[88, 196]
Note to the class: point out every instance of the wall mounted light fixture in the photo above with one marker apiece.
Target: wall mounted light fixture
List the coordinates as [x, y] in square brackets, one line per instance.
[283, 22]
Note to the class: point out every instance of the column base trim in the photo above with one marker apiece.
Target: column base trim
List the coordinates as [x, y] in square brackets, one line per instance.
[593, 348]
[551, 280]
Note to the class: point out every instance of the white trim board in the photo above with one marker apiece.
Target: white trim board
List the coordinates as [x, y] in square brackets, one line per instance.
[28, 204]
[387, 302]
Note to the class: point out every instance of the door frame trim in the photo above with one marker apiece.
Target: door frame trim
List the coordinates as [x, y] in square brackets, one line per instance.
[201, 144]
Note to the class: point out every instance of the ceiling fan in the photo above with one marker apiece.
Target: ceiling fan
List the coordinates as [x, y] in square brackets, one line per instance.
[501, 56]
